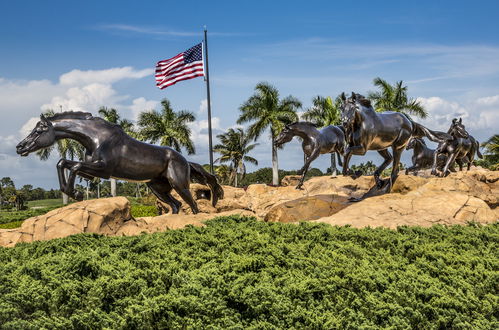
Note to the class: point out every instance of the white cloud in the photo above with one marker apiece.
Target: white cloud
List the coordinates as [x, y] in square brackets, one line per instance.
[203, 106]
[109, 76]
[141, 104]
[481, 121]
[86, 98]
[28, 126]
[488, 101]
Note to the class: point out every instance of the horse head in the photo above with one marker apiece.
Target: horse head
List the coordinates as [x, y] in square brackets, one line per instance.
[413, 142]
[457, 129]
[349, 112]
[285, 136]
[42, 136]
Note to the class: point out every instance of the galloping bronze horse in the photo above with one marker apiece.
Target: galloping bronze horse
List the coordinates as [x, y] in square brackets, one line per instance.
[366, 129]
[422, 158]
[330, 139]
[111, 153]
[462, 146]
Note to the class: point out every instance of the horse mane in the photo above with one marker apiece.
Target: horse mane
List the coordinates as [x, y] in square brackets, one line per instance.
[71, 115]
[307, 123]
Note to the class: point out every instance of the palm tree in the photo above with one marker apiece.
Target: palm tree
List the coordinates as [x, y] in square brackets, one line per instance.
[394, 98]
[168, 127]
[112, 116]
[67, 148]
[325, 112]
[223, 173]
[265, 110]
[491, 147]
[234, 148]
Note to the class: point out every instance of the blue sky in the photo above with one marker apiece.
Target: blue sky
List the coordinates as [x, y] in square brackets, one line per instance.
[81, 55]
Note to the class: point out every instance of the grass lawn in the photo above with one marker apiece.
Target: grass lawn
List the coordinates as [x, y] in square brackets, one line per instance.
[45, 203]
[13, 219]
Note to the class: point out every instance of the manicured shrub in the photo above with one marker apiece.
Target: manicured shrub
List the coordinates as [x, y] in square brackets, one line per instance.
[241, 273]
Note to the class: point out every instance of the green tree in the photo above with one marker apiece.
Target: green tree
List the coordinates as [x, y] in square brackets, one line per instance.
[394, 98]
[223, 173]
[491, 147]
[67, 149]
[234, 148]
[324, 112]
[168, 127]
[265, 110]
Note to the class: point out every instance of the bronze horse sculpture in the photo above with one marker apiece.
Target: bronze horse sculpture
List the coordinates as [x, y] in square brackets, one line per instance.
[366, 129]
[330, 139]
[111, 153]
[422, 157]
[461, 147]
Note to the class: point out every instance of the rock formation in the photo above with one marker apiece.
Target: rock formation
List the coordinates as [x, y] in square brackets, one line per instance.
[460, 198]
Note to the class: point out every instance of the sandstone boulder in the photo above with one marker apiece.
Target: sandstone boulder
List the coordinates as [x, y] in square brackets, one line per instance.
[103, 216]
[306, 208]
[417, 208]
[290, 180]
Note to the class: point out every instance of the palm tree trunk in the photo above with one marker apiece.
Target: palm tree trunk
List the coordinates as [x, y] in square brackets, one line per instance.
[87, 190]
[113, 187]
[65, 198]
[98, 189]
[275, 168]
[334, 170]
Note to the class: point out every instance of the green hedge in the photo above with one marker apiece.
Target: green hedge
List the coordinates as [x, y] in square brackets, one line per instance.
[239, 273]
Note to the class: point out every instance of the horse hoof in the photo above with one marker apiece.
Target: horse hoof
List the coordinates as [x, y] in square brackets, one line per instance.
[298, 187]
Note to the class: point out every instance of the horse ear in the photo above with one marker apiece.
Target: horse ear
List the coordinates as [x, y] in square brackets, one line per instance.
[343, 97]
[460, 120]
[353, 97]
[44, 120]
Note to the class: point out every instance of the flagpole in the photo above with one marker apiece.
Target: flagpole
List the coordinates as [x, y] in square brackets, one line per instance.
[207, 79]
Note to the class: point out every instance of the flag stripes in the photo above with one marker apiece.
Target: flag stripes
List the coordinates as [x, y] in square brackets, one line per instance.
[186, 65]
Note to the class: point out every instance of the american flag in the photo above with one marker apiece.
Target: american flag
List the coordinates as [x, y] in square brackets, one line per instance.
[186, 65]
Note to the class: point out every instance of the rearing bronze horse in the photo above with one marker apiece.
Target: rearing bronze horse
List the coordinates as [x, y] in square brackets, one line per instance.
[366, 129]
[111, 153]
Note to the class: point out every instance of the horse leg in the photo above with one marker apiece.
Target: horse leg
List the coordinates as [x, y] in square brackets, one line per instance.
[310, 159]
[397, 153]
[61, 166]
[178, 174]
[460, 163]
[345, 170]
[89, 168]
[388, 158]
[450, 160]
[413, 168]
[161, 188]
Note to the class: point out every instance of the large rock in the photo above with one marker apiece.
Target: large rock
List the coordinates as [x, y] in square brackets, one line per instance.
[417, 208]
[107, 216]
[306, 208]
[103, 216]
[290, 180]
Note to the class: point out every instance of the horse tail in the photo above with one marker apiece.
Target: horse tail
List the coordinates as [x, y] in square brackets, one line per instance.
[420, 131]
[479, 154]
[200, 175]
